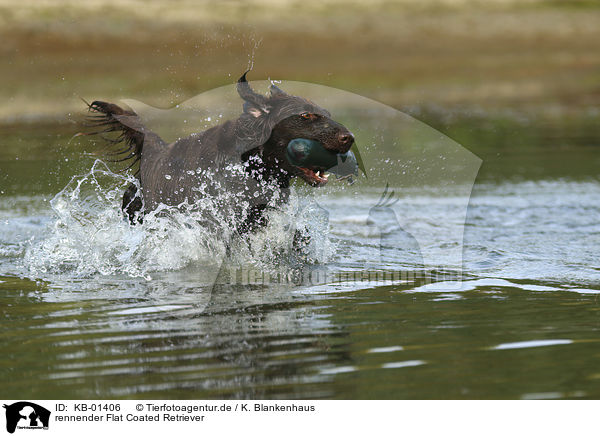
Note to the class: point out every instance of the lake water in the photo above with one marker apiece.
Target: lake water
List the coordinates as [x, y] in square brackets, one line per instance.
[93, 308]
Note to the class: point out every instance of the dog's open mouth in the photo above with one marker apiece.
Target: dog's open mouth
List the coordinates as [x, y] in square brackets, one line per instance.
[312, 159]
[313, 178]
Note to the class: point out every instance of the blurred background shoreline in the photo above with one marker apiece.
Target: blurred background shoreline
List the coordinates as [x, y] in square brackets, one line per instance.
[516, 79]
[534, 58]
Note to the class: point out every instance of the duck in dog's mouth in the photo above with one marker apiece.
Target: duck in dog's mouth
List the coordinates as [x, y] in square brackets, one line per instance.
[313, 160]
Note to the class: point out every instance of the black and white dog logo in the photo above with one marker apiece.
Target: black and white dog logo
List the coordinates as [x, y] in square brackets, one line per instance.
[26, 415]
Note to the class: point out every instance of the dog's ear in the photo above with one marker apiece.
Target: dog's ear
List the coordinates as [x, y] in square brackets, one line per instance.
[256, 111]
[277, 92]
[254, 104]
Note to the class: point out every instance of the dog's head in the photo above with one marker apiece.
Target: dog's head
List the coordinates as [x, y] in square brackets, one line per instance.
[279, 118]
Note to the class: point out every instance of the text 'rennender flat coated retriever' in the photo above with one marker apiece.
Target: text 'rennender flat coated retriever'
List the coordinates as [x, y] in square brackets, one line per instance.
[257, 140]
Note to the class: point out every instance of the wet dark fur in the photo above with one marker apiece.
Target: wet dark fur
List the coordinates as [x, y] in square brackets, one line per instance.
[259, 136]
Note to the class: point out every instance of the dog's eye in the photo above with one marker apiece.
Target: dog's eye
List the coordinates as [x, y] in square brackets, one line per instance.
[308, 116]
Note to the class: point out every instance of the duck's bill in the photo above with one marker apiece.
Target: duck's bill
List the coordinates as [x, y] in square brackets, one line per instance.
[346, 168]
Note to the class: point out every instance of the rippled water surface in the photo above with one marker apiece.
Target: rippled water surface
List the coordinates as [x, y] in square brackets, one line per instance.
[92, 308]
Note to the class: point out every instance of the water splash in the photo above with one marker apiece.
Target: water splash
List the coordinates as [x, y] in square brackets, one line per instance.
[90, 236]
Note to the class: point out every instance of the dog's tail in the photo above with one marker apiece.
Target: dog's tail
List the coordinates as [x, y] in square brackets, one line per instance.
[128, 144]
[126, 138]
